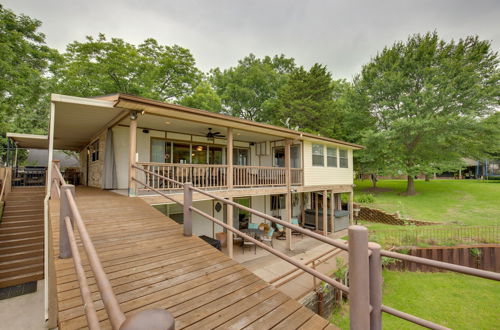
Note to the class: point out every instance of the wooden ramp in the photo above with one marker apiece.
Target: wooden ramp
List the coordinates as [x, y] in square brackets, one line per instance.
[152, 265]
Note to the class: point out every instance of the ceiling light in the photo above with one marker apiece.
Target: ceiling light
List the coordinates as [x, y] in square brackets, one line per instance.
[167, 122]
[199, 148]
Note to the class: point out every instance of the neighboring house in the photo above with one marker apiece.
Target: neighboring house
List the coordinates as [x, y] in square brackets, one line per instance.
[271, 169]
[40, 158]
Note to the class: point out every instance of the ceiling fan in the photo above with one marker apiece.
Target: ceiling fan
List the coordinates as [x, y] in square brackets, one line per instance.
[212, 135]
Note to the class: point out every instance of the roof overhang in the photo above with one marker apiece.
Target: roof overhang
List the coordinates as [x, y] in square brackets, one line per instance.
[29, 141]
[78, 120]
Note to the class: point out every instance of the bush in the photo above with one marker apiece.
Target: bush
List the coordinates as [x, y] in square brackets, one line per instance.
[364, 198]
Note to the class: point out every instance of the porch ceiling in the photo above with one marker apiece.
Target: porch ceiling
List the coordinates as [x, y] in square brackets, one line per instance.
[30, 141]
[78, 120]
[161, 123]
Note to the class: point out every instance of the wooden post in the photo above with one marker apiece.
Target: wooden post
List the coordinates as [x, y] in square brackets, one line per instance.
[359, 285]
[65, 211]
[325, 213]
[288, 203]
[332, 210]
[188, 214]
[351, 210]
[230, 184]
[302, 209]
[316, 210]
[132, 153]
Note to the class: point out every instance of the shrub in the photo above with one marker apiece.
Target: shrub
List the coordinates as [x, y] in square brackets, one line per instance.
[364, 198]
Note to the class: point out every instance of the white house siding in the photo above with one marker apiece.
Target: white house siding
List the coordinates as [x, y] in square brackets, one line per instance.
[323, 175]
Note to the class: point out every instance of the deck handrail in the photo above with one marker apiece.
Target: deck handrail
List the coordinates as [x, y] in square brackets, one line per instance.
[365, 264]
[4, 183]
[69, 215]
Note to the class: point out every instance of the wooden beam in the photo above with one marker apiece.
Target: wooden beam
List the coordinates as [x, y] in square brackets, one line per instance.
[332, 210]
[316, 210]
[288, 203]
[132, 154]
[325, 213]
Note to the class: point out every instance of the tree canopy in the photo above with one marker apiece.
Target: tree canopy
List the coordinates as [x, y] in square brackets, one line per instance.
[427, 97]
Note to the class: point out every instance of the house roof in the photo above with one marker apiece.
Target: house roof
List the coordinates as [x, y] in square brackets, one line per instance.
[134, 102]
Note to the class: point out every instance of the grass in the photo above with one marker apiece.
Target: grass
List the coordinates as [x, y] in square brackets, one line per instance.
[467, 202]
[453, 300]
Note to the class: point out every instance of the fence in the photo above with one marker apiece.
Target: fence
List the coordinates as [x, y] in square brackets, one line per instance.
[365, 260]
[28, 176]
[434, 235]
[486, 257]
[68, 247]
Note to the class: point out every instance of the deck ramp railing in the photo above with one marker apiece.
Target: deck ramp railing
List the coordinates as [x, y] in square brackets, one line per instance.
[365, 260]
[68, 247]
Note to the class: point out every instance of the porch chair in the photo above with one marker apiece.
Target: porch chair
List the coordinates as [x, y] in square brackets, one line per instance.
[249, 244]
[268, 238]
[295, 221]
[281, 232]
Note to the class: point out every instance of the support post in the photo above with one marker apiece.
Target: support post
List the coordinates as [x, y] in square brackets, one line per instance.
[351, 209]
[325, 213]
[188, 213]
[65, 211]
[332, 210]
[302, 209]
[375, 287]
[316, 210]
[230, 235]
[132, 153]
[230, 184]
[288, 203]
[359, 286]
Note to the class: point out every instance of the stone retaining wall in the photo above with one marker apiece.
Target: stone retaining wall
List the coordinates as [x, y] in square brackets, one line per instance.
[375, 215]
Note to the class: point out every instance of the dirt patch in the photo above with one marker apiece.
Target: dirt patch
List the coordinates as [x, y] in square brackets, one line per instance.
[377, 190]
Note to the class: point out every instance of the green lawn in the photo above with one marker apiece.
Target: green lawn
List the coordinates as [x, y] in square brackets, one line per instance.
[467, 202]
[452, 300]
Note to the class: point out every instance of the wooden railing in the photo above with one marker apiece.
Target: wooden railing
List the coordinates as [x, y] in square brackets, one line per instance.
[68, 247]
[365, 261]
[215, 176]
[5, 183]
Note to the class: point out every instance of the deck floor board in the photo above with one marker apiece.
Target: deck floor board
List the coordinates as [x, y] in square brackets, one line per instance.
[150, 264]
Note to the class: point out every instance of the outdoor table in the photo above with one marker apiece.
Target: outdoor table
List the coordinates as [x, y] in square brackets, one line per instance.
[254, 233]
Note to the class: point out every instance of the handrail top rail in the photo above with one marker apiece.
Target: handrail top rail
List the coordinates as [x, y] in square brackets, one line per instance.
[181, 165]
[4, 184]
[58, 173]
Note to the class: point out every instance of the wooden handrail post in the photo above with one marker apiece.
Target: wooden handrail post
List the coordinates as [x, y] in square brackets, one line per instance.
[375, 286]
[65, 211]
[288, 201]
[188, 214]
[359, 286]
[132, 153]
[157, 318]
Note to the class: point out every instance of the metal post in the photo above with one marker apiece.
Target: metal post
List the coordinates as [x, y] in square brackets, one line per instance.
[65, 211]
[158, 319]
[188, 214]
[375, 287]
[359, 287]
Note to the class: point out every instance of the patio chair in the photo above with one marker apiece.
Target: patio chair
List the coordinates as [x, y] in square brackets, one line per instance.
[281, 232]
[268, 238]
[249, 244]
[295, 221]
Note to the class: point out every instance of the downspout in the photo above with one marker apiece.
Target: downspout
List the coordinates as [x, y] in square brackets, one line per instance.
[46, 212]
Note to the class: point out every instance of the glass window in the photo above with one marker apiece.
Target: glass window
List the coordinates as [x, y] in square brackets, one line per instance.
[240, 157]
[181, 153]
[344, 162]
[215, 155]
[331, 157]
[277, 202]
[295, 157]
[94, 151]
[160, 151]
[199, 155]
[318, 158]
[279, 156]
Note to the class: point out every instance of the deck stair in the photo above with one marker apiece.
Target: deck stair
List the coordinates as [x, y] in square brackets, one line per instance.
[22, 237]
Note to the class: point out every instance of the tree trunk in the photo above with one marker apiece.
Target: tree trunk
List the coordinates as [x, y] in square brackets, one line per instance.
[427, 178]
[410, 187]
[374, 180]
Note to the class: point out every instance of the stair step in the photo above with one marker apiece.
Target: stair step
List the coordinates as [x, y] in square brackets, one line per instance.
[20, 248]
[23, 234]
[20, 279]
[16, 271]
[20, 223]
[21, 262]
[20, 229]
[21, 241]
[21, 255]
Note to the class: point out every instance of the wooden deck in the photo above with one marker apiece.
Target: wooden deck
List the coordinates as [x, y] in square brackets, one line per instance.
[152, 265]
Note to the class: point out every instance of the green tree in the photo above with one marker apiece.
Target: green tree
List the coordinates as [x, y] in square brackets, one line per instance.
[311, 101]
[100, 66]
[428, 97]
[25, 62]
[246, 88]
[204, 97]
